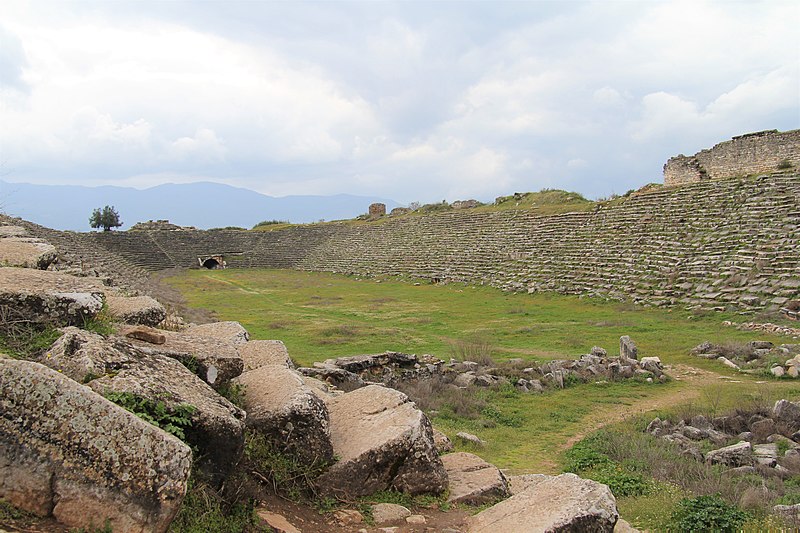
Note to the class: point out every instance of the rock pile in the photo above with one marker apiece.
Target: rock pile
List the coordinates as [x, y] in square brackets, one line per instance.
[780, 361]
[395, 368]
[746, 443]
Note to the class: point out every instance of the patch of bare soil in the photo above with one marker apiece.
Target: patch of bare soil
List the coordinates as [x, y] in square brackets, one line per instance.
[694, 378]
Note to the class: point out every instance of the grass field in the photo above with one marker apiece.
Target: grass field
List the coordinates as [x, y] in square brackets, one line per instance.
[322, 315]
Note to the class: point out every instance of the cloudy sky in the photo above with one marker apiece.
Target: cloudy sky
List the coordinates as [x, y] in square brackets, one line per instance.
[414, 101]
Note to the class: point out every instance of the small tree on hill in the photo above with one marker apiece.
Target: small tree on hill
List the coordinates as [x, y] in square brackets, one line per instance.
[105, 218]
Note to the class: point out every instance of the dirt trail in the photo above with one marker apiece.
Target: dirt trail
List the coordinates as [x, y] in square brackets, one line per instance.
[694, 379]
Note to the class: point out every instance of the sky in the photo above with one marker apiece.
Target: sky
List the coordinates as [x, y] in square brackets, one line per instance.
[414, 101]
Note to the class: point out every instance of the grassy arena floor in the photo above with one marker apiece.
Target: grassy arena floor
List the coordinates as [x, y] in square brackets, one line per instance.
[322, 315]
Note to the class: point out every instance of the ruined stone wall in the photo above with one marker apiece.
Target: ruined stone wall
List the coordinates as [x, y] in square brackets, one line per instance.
[722, 244]
[753, 153]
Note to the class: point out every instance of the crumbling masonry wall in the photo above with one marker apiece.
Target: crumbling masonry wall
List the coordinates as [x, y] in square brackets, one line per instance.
[753, 153]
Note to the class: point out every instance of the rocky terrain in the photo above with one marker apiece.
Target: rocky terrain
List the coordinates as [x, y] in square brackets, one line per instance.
[112, 421]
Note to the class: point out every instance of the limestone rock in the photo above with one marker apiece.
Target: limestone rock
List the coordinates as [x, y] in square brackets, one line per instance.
[26, 252]
[472, 480]
[115, 365]
[276, 522]
[230, 331]
[787, 413]
[766, 454]
[259, 353]
[442, 442]
[739, 454]
[136, 309]
[65, 451]
[558, 503]
[789, 513]
[144, 333]
[472, 439]
[386, 513]
[45, 296]
[289, 415]
[383, 441]
[627, 348]
[622, 526]
[517, 484]
[215, 361]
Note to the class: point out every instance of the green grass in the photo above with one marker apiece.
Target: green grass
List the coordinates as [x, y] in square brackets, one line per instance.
[322, 315]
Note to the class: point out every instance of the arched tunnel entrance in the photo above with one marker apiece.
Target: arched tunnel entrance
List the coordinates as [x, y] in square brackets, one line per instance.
[212, 263]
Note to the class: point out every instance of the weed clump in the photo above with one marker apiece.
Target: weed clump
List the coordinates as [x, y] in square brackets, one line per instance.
[173, 421]
[708, 513]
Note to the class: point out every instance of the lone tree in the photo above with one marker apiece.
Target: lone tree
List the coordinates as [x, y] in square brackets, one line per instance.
[105, 218]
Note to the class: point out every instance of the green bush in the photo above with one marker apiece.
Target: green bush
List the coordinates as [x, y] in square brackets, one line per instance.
[708, 513]
[173, 421]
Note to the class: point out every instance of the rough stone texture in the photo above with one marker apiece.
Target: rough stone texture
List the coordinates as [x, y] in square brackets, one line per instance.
[386, 513]
[383, 441]
[377, 210]
[472, 480]
[287, 412]
[442, 442]
[554, 504]
[470, 438]
[789, 513]
[114, 364]
[230, 331]
[8, 230]
[751, 153]
[67, 452]
[517, 484]
[259, 353]
[136, 309]
[627, 348]
[739, 454]
[622, 526]
[787, 413]
[26, 252]
[216, 361]
[46, 296]
[144, 333]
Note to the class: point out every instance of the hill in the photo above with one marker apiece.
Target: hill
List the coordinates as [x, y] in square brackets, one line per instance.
[202, 204]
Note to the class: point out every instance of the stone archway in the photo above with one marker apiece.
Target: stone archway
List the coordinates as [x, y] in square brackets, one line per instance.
[212, 263]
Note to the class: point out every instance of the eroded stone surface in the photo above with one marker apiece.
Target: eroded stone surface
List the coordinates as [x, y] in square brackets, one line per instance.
[115, 365]
[557, 503]
[259, 353]
[67, 452]
[26, 252]
[46, 296]
[472, 480]
[215, 361]
[136, 309]
[383, 441]
[230, 331]
[287, 412]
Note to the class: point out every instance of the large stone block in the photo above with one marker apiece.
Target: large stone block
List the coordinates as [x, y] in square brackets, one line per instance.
[43, 296]
[26, 252]
[562, 503]
[259, 353]
[68, 452]
[136, 309]
[472, 480]
[114, 365]
[383, 441]
[290, 416]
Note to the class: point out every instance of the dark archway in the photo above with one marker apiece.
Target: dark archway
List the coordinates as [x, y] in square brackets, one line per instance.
[211, 263]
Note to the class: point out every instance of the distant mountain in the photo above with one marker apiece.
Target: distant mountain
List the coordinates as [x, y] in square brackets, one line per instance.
[202, 204]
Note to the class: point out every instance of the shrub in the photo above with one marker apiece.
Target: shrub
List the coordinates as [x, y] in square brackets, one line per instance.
[270, 223]
[476, 348]
[22, 338]
[173, 421]
[785, 164]
[708, 513]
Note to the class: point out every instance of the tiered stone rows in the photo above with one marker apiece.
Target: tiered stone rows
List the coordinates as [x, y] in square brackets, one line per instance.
[713, 244]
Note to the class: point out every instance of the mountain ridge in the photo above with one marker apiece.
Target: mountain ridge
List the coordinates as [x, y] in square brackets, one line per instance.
[201, 204]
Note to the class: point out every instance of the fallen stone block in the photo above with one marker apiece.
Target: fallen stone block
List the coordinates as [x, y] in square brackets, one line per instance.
[69, 453]
[25, 252]
[739, 454]
[142, 310]
[43, 296]
[472, 480]
[384, 442]
[229, 331]
[290, 416]
[627, 348]
[215, 361]
[558, 503]
[386, 513]
[256, 354]
[115, 365]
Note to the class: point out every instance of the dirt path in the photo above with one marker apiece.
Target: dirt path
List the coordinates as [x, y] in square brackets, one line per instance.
[694, 379]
